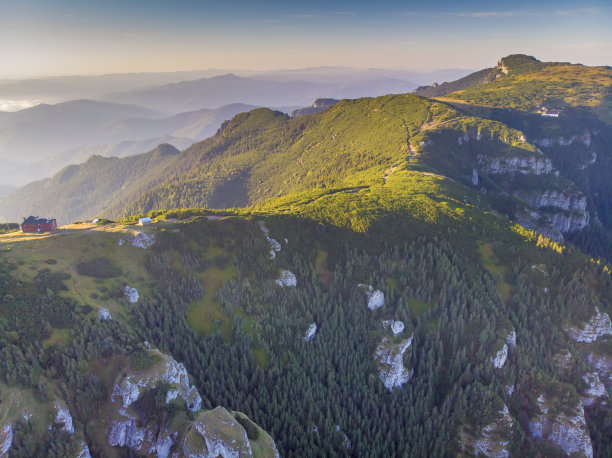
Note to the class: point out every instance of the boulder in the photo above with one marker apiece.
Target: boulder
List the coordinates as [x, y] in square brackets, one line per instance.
[311, 332]
[104, 314]
[376, 298]
[131, 294]
[287, 278]
[389, 357]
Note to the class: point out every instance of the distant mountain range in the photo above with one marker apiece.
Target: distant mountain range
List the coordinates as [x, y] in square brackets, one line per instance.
[230, 88]
[39, 141]
[56, 89]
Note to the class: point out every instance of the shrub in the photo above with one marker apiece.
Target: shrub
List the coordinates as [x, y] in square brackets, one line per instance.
[99, 268]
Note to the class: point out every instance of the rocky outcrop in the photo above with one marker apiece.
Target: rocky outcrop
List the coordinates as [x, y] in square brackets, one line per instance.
[500, 357]
[389, 357]
[530, 165]
[602, 364]
[131, 294]
[287, 278]
[511, 339]
[318, 106]
[569, 222]
[475, 179]
[540, 222]
[125, 428]
[275, 246]
[167, 371]
[599, 325]
[493, 439]
[311, 332]
[63, 418]
[565, 201]
[376, 298]
[127, 433]
[582, 139]
[104, 314]
[223, 435]
[142, 239]
[219, 433]
[595, 388]
[6, 439]
[568, 431]
[553, 224]
[83, 451]
[396, 327]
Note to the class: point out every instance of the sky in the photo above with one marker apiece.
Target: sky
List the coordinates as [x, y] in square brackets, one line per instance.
[66, 37]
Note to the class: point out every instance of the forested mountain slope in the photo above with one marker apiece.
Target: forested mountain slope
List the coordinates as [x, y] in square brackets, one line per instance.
[418, 325]
[355, 143]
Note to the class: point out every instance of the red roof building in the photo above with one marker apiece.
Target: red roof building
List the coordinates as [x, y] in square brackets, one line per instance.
[36, 225]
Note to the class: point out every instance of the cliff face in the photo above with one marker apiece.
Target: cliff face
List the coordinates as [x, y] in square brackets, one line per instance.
[598, 325]
[552, 212]
[492, 440]
[389, 357]
[532, 165]
[138, 418]
[567, 430]
[318, 106]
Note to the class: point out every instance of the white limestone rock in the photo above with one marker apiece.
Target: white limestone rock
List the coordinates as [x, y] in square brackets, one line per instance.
[376, 298]
[389, 357]
[537, 423]
[169, 371]
[509, 390]
[131, 294]
[568, 201]
[530, 165]
[500, 357]
[83, 451]
[125, 429]
[287, 278]
[602, 364]
[104, 314]
[491, 440]
[568, 431]
[475, 179]
[275, 247]
[142, 239]
[223, 435]
[511, 339]
[584, 139]
[63, 417]
[599, 325]
[595, 388]
[6, 439]
[396, 327]
[311, 332]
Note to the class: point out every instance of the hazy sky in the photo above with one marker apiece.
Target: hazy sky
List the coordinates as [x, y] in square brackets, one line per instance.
[53, 37]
